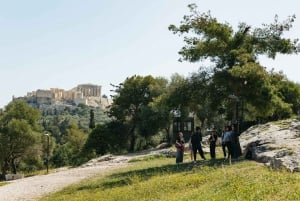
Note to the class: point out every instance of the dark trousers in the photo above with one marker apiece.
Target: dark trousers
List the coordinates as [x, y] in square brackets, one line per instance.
[179, 156]
[212, 150]
[229, 148]
[236, 148]
[199, 149]
[224, 148]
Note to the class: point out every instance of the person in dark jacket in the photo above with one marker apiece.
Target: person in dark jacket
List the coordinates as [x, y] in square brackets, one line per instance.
[196, 139]
[212, 144]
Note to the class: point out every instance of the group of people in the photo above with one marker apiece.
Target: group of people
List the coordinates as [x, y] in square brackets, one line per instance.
[194, 146]
[228, 139]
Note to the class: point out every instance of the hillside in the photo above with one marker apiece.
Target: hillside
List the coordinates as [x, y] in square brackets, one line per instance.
[275, 144]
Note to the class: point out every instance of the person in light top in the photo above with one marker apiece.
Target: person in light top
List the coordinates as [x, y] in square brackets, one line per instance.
[227, 138]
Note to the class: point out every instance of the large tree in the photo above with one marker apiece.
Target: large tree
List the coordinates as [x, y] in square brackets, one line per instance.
[74, 142]
[131, 106]
[234, 54]
[19, 134]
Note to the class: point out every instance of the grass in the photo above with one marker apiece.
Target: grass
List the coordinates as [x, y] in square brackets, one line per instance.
[2, 183]
[160, 179]
[37, 172]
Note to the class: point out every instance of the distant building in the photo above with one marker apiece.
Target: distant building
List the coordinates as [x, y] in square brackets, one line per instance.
[89, 90]
[79, 98]
[44, 94]
[88, 94]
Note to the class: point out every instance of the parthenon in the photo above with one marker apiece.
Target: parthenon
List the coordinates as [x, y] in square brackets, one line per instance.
[88, 94]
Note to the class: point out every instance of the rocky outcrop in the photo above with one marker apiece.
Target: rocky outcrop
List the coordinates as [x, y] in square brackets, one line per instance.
[277, 144]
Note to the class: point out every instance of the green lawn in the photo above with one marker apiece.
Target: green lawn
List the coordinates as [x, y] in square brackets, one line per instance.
[160, 179]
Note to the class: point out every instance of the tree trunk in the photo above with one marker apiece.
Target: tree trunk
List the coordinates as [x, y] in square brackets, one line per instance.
[4, 169]
[132, 143]
[13, 166]
[132, 139]
[168, 135]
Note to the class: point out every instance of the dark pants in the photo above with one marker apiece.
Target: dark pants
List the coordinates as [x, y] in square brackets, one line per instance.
[179, 156]
[224, 148]
[199, 149]
[212, 150]
[229, 148]
[236, 148]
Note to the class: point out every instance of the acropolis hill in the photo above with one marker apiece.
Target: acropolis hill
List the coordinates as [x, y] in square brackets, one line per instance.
[88, 94]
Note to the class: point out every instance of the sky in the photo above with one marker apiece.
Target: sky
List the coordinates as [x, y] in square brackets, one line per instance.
[64, 43]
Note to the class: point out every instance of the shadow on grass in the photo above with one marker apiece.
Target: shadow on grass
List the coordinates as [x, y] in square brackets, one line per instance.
[129, 177]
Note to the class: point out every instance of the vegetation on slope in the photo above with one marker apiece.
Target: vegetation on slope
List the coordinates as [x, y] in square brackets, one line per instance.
[158, 178]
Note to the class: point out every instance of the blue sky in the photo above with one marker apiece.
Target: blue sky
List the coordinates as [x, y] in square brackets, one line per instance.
[63, 43]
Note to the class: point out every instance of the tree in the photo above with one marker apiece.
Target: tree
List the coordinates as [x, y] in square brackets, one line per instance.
[18, 140]
[92, 119]
[62, 155]
[174, 103]
[290, 93]
[235, 54]
[75, 140]
[20, 110]
[19, 134]
[227, 48]
[201, 102]
[164, 115]
[131, 106]
[107, 138]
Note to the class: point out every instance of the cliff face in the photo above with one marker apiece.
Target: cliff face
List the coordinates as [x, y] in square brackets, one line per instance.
[276, 144]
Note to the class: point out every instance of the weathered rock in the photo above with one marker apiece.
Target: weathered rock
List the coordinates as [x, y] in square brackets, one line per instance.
[277, 144]
[163, 145]
[9, 177]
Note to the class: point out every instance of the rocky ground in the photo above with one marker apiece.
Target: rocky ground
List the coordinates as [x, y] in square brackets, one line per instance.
[276, 144]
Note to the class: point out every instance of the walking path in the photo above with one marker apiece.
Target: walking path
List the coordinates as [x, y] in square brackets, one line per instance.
[33, 188]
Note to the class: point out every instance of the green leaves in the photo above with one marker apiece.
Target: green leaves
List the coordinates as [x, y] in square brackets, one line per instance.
[205, 37]
[133, 106]
[19, 134]
[236, 69]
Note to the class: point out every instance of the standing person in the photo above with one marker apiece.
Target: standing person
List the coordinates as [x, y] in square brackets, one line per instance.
[228, 141]
[223, 142]
[191, 147]
[212, 144]
[179, 144]
[236, 147]
[196, 139]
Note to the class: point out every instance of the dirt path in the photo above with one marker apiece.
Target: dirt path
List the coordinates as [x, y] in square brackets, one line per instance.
[32, 188]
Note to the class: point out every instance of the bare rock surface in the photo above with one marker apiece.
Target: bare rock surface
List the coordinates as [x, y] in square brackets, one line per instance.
[277, 144]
